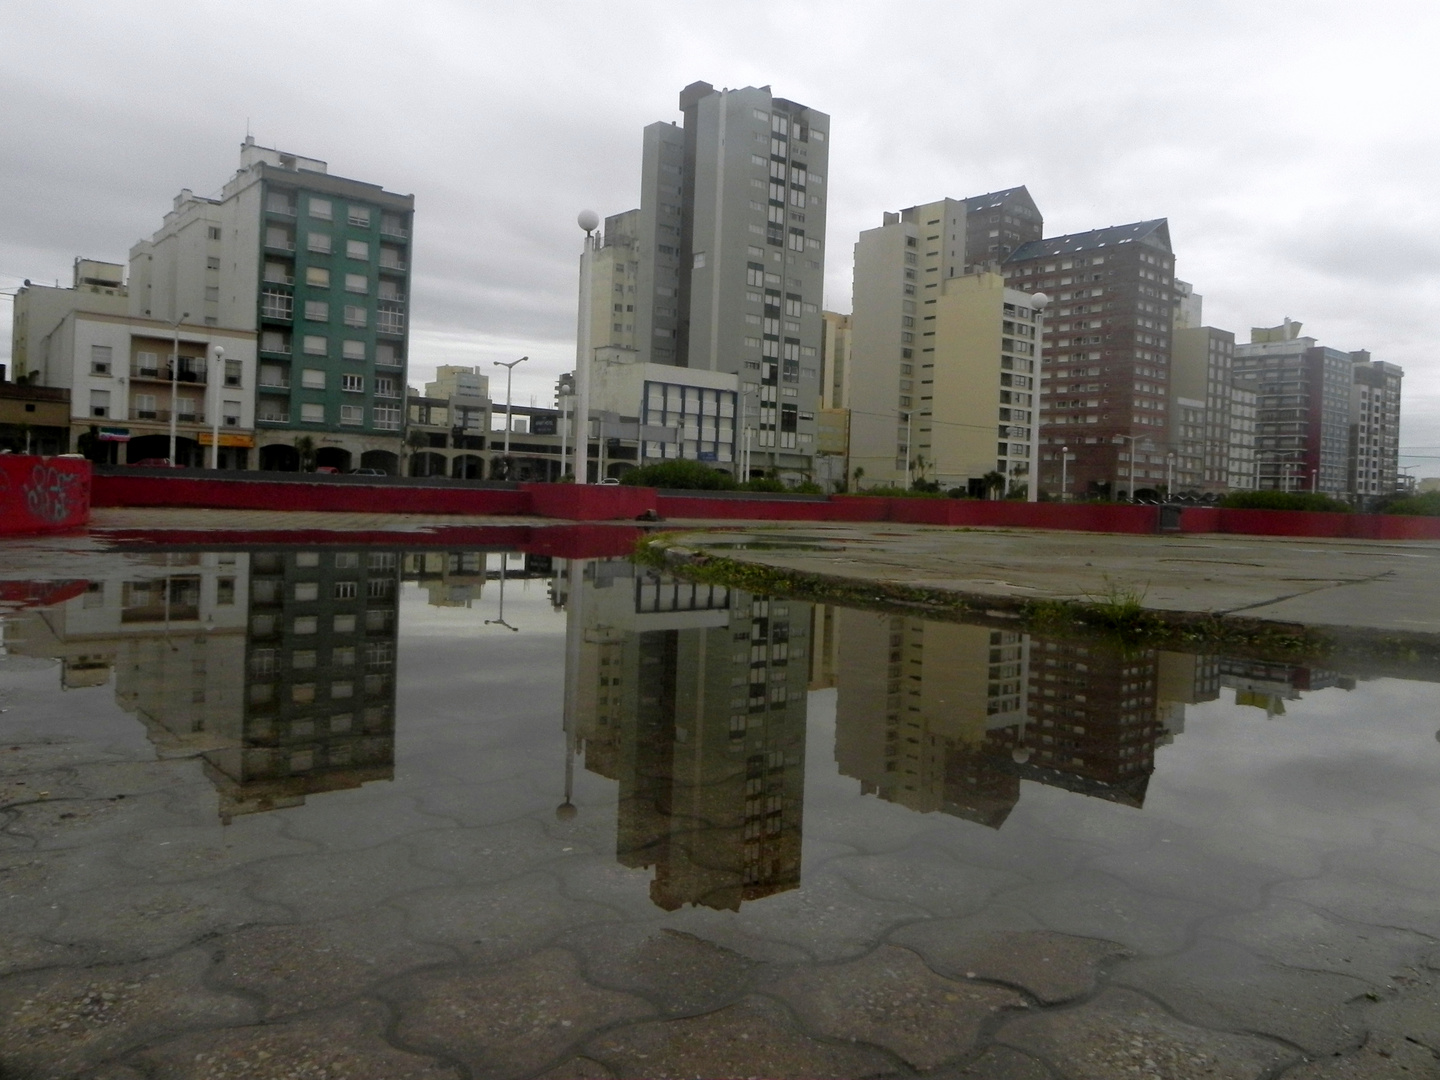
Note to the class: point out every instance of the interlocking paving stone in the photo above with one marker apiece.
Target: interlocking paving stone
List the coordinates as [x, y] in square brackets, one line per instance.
[340, 1045]
[996, 1063]
[891, 999]
[318, 965]
[61, 1021]
[577, 1068]
[679, 972]
[1301, 936]
[1383, 1057]
[1122, 1034]
[1097, 905]
[1053, 967]
[1220, 985]
[509, 1020]
[753, 1037]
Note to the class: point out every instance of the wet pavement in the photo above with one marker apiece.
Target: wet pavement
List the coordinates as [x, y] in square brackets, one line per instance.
[334, 811]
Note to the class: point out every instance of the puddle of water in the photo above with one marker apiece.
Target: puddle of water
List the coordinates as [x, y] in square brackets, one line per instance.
[330, 786]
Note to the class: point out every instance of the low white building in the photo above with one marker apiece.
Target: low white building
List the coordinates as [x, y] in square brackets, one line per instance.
[118, 370]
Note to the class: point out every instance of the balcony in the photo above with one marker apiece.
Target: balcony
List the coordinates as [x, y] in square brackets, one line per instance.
[162, 416]
[272, 418]
[392, 262]
[274, 384]
[190, 371]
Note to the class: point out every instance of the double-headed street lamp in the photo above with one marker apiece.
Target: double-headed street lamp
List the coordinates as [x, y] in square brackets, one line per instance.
[509, 366]
[219, 380]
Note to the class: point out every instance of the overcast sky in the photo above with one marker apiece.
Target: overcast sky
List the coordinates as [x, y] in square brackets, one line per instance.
[1291, 143]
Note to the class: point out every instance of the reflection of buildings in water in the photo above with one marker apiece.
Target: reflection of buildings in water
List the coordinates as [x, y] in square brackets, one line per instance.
[457, 578]
[925, 708]
[950, 717]
[172, 630]
[1267, 685]
[824, 646]
[692, 698]
[319, 711]
[277, 667]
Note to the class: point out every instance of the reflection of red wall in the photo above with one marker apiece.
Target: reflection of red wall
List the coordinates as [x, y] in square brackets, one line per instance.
[43, 495]
[258, 494]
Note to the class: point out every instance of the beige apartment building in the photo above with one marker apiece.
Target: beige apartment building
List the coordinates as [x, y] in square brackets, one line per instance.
[941, 373]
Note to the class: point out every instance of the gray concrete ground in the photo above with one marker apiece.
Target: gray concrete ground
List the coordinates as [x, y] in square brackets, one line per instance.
[1385, 586]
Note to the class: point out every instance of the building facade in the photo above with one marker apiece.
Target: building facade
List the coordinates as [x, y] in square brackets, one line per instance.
[1302, 400]
[722, 267]
[1375, 428]
[1105, 370]
[934, 338]
[318, 267]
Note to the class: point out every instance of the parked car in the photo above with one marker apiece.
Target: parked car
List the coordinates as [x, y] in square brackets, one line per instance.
[609, 480]
[327, 469]
[368, 472]
[156, 463]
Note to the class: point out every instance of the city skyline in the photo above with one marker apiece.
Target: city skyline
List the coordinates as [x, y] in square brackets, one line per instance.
[1283, 191]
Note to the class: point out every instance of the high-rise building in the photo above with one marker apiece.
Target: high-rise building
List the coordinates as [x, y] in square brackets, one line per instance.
[1202, 369]
[319, 267]
[1375, 427]
[722, 268]
[1105, 372]
[942, 353]
[1303, 393]
[835, 361]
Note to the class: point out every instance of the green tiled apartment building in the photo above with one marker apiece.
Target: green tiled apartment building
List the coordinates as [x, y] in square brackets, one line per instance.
[319, 267]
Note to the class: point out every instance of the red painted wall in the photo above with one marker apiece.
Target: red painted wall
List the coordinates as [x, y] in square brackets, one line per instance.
[171, 490]
[43, 494]
[589, 502]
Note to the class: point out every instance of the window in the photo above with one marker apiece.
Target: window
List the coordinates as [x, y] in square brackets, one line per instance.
[317, 311]
[354, 384]
[318, 242]
[231, 414]
[99, 402]
[279, 273]
[100, 359]
[359, 216]
[355, 315]
[353, 350]
[386, 417]
[145, 406]
[212, 263]
[321, 209]
[385, 387]
[312, 413]
[315, 345]
[357, 249]
[306, 624]
[276, 304]
[388, 355]
[352, 414]
[213, 232]
[317, 276]
[312, 379]
[233, 370]
[357, 283]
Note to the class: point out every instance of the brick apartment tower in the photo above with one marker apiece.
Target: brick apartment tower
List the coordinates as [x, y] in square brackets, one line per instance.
[1105, 363]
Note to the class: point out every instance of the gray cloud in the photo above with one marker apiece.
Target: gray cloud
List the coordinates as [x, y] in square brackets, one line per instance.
[1288, 144]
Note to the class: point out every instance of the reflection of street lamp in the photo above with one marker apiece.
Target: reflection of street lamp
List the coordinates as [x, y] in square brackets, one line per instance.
[1064, 474]
[504, 558]
[509, 366]
[1169, 476]
[174, 379]
[909, 421]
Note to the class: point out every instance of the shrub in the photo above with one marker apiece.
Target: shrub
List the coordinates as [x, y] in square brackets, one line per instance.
[1283, 500]
[1427, 505]
[896, 492]
[680, 473]
[763, 483]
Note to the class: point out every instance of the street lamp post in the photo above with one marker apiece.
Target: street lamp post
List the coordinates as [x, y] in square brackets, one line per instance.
[1039, 301]
[909, 423]
[219, 371]
[509, 366]
[1064, 474]
[1132, 440]
[1169, 476]
[563, 395]
[589, 221]
[175, 378]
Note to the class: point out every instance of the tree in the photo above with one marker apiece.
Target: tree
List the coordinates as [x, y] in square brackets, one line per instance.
[305, 447]
[859, 473]
[993, 481]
